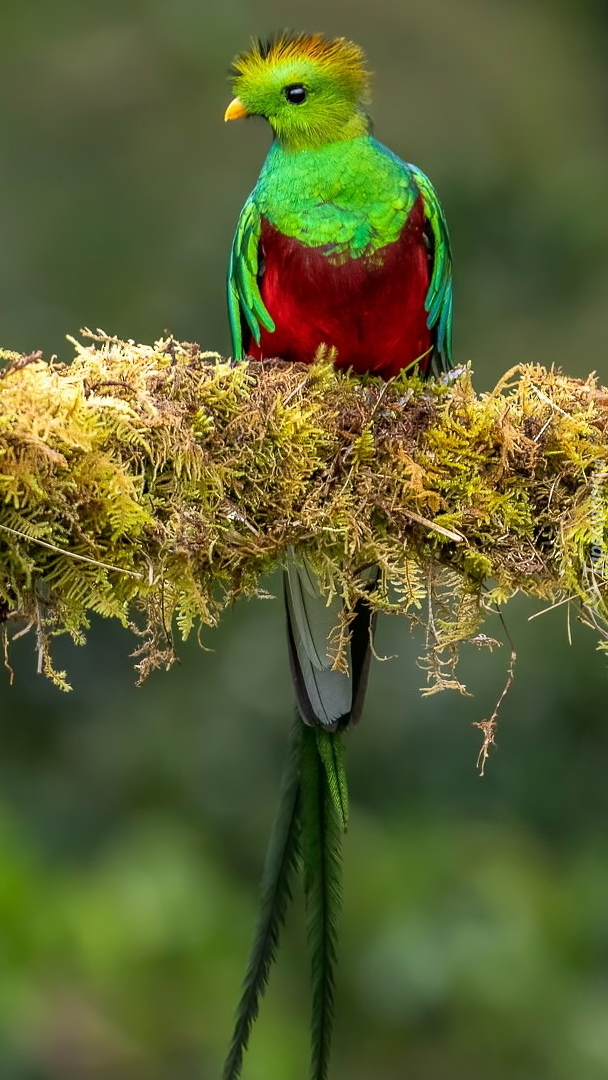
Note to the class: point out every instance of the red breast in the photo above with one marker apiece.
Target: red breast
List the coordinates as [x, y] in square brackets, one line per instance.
[371, 309]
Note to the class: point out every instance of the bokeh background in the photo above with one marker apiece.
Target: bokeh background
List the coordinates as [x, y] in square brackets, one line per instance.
[133, 821]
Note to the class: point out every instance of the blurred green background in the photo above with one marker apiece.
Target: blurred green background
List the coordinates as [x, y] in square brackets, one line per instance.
[133, 822]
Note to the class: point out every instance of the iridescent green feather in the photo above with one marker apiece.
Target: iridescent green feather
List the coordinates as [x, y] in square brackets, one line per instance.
[350, 198]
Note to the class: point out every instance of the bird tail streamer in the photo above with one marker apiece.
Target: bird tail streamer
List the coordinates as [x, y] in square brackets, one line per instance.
[307, 835]
[282, 860]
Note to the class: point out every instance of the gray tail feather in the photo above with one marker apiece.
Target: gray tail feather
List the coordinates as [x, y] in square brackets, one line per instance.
[327, 698]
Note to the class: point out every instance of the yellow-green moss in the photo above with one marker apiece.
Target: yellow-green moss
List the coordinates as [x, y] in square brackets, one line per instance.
[165, 481]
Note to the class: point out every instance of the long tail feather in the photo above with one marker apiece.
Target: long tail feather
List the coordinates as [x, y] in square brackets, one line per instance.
[323, 817]
[282, 859]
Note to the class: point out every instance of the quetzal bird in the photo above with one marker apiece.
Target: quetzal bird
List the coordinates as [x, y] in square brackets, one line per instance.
[340, 244]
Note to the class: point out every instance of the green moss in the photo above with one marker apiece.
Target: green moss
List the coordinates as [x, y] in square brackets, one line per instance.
[162, 483]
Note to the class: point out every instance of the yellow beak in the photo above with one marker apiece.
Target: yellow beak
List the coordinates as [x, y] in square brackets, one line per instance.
[236, 110]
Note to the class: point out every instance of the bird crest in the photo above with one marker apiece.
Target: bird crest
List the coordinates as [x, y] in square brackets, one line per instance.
[337, 56]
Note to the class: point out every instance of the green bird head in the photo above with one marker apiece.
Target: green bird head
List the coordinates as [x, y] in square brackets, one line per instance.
[312, 90]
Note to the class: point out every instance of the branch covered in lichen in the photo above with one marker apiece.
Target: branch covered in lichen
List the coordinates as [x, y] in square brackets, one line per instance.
[156, 485]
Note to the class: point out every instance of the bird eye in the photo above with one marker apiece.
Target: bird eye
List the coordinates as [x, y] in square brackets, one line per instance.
[296, 94]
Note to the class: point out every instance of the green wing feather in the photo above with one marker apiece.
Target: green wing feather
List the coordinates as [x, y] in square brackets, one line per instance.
[439, 297]
[244, 299]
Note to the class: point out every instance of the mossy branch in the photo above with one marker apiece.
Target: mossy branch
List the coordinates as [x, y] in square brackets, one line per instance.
[156, 484]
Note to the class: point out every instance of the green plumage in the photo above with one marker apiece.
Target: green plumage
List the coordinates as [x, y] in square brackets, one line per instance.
[351, 197]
